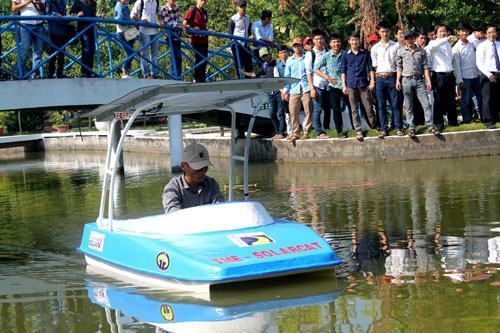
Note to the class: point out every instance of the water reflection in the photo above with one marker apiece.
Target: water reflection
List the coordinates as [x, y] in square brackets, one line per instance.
[255, 307]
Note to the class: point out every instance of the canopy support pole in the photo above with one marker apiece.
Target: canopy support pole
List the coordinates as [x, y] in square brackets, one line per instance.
[175, 141]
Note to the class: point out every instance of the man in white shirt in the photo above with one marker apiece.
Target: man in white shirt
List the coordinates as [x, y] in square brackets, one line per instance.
[148, 11]
[443, 80]
[478, 36]
[239, 25]
[262, 30]
[466, 72]
[384, 60]
[29, 30]
[319, 92]
[488, 62]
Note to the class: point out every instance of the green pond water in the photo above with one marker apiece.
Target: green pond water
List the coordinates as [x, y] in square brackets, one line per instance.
[420, 243]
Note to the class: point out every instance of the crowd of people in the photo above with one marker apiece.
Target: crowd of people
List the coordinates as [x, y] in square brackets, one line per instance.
[421, 75]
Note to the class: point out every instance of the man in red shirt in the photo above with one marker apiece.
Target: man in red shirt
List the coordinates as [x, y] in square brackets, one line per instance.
[196, 19]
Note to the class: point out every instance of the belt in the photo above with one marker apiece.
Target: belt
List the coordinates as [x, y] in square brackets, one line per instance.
[385, 75]
[413, 77]
[444, 73]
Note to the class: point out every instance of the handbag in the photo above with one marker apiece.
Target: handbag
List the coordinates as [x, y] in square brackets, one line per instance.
[131, 33]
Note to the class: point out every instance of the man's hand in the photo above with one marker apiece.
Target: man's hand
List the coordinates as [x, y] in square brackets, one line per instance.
[461, 86]
[371, 86]
[332, 80]
[452, 39]
[285, 97]
[313, 93]
[398, 85]
[80, 14]
[344, 90]
[493, 79]
[144, 21]
[428, 85]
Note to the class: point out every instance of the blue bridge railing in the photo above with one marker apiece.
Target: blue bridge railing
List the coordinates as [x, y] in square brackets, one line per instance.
[110, 53]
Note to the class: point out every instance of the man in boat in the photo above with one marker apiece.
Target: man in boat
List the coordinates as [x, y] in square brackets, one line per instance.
[192, 188]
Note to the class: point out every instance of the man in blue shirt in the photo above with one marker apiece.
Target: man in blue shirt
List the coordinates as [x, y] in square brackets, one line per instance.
[355, 67]
[298, 93]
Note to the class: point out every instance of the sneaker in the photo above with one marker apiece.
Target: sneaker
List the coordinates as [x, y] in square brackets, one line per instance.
[341, 135]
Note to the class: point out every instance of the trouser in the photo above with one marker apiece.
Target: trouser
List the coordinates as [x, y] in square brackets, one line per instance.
[360, 95]
[242, 58]
[58, 41]
[278, 109]
[418, 112]
[87, 40]
[491, 99]
[472, 86]
[444, 98]
[150, 52]
[386, 91]
[412, 88]
[128, 46]
[321, 103]
[296, 100]
[29, 39]
[200, 57]
[176, 60]
[336, 96]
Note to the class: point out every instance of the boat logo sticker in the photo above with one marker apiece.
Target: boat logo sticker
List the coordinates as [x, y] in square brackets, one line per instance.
[96, 241]
[162, 261]
[251, 239]
[166, 312]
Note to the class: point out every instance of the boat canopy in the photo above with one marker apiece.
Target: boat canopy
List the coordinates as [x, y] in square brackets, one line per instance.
[199, 219]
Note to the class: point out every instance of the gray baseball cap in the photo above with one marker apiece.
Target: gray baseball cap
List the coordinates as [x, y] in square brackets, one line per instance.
[196, 156]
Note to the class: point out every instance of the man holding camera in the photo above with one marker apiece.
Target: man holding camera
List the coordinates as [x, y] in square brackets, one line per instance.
[30, 32]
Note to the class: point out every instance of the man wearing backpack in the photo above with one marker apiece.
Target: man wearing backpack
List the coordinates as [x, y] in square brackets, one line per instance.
[196, 19]
[30, 31]
[147, 11]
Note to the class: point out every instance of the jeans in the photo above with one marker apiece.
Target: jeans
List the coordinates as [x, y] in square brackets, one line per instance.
[88, 50]
[472, 86]
[386, 91]
[176, 60]
[58, 40]
[151, 53]
[29, 39]
[278, 109]
[128, 46]
[320, 103]
[411, 88]
[336, 96]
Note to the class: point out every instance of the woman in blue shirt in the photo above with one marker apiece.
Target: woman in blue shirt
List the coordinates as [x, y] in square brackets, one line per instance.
[122, 12]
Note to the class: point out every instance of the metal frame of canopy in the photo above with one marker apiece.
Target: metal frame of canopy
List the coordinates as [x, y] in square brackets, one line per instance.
[171, 99]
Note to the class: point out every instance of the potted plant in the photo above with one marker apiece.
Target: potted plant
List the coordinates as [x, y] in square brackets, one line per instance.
[60, 120]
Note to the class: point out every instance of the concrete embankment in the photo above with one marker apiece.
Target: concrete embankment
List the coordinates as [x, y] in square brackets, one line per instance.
[458, 144]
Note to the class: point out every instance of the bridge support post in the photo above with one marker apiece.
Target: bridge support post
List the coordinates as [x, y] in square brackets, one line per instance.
[175, 141]
[115, 136]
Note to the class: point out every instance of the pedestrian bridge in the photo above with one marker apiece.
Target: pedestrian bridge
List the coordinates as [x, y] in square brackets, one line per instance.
[74, 92]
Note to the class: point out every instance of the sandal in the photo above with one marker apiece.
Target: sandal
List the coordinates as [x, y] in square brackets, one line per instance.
[382, 134]
[412, 133]
[342, 135]
[400, 133]
[305, 136]
[359, 136]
